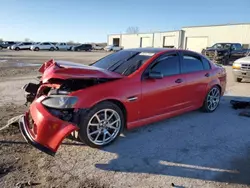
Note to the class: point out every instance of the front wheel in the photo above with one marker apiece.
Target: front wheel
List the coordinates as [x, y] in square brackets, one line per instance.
[52, 49]
[237, 79]
[212, 99]
[102, 125]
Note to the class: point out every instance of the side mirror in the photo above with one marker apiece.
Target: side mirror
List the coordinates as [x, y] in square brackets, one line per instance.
[155, 75]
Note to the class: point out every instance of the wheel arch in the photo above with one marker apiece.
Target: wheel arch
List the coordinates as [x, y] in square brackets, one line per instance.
[219, 86]
[119, 104]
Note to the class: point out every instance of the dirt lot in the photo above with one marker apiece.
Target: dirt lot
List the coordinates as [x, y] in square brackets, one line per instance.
[192, 150]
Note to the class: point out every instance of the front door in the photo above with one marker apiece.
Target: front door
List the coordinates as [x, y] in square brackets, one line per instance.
[163, 95]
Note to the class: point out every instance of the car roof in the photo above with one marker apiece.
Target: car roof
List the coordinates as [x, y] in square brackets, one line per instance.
[158, 50]
[227, 43]
[149, 50]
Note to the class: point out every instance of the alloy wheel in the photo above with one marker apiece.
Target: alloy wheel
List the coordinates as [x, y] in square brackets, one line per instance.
[213, 99]
[103, 126]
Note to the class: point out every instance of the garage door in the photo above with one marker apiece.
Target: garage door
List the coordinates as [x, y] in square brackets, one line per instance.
[169, 41]
[146, 42]
[196, 43]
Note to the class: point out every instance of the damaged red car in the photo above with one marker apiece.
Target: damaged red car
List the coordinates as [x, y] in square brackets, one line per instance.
[123, 90]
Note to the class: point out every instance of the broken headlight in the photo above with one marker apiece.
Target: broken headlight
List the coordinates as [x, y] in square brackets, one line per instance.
[60, 102]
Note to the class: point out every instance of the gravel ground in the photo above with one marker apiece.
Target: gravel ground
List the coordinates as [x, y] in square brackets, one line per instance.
[191, 150]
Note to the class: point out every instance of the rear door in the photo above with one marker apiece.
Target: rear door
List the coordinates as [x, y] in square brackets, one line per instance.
[25, 46]
[47, 46]
[197, 74]
[164, 95]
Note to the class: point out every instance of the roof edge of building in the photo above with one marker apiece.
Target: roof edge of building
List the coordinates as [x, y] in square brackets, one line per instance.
[146, 32]
[228, 24]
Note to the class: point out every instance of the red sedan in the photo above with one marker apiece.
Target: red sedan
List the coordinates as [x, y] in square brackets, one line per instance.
[123, 90]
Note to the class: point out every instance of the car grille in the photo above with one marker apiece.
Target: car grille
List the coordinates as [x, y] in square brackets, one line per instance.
[245, 67]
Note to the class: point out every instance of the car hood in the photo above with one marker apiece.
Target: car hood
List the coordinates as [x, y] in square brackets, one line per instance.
[244, 60]
[69, 70]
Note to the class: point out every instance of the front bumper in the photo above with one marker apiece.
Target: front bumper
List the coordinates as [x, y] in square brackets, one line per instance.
[43, 130]
[241, 73]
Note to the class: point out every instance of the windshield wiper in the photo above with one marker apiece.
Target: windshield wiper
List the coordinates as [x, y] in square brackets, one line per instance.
[113, 65]
[125, 61]
[135, 67]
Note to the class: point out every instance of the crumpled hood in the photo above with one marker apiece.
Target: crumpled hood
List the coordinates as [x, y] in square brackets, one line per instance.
[67, 70]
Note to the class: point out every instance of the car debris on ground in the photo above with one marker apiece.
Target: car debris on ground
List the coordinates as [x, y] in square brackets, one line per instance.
[11, 122]
[241, 105]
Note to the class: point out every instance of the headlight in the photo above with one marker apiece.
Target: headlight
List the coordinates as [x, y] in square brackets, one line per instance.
[60, 102]
[236, 65]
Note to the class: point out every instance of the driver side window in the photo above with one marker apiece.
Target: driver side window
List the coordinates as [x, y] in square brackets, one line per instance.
[168, 65]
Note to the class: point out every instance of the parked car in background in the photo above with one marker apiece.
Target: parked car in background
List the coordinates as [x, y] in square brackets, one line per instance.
[224, 53]
[151, 84]
[241, 69]
[97, 47]
[82, 47]
[6, 44]
[43, 46]
[62, 46]
[113, 48]
[22, 46]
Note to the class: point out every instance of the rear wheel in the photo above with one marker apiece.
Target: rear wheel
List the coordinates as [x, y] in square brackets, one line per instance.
[1, 47]
[102, 125]
[212, 99]
[237, 79]
[37, 49]
[52, 49]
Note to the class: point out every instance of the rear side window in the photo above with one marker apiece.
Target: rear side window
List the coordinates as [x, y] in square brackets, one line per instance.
[191, 64]
[168, 65]
[206, 64]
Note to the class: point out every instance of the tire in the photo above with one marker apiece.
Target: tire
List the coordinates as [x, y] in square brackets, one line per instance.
[225, 61]
[237, 79]
[36, 49]
[51, 49]
[17, 48]
[207, 102]
[1, 47]
[100, 128]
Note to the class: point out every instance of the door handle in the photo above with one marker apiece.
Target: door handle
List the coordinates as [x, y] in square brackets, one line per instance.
[178, 80]
[207, 74]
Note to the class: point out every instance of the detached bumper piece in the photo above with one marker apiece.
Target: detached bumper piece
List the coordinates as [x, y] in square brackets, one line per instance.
[28, 138]
[43, 130]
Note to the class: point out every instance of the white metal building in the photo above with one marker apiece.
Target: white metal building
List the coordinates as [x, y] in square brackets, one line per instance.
[193, 38]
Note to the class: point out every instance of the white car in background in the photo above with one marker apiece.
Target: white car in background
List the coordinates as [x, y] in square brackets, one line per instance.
[97, 47]
[22, 46]
[63, 46]
[43, 46]
[113, 48]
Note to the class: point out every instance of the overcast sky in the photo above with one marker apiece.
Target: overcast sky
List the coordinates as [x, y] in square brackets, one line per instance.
[93, 20]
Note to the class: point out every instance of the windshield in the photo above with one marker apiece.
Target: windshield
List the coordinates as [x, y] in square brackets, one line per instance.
[222, 46]
[122, 62]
